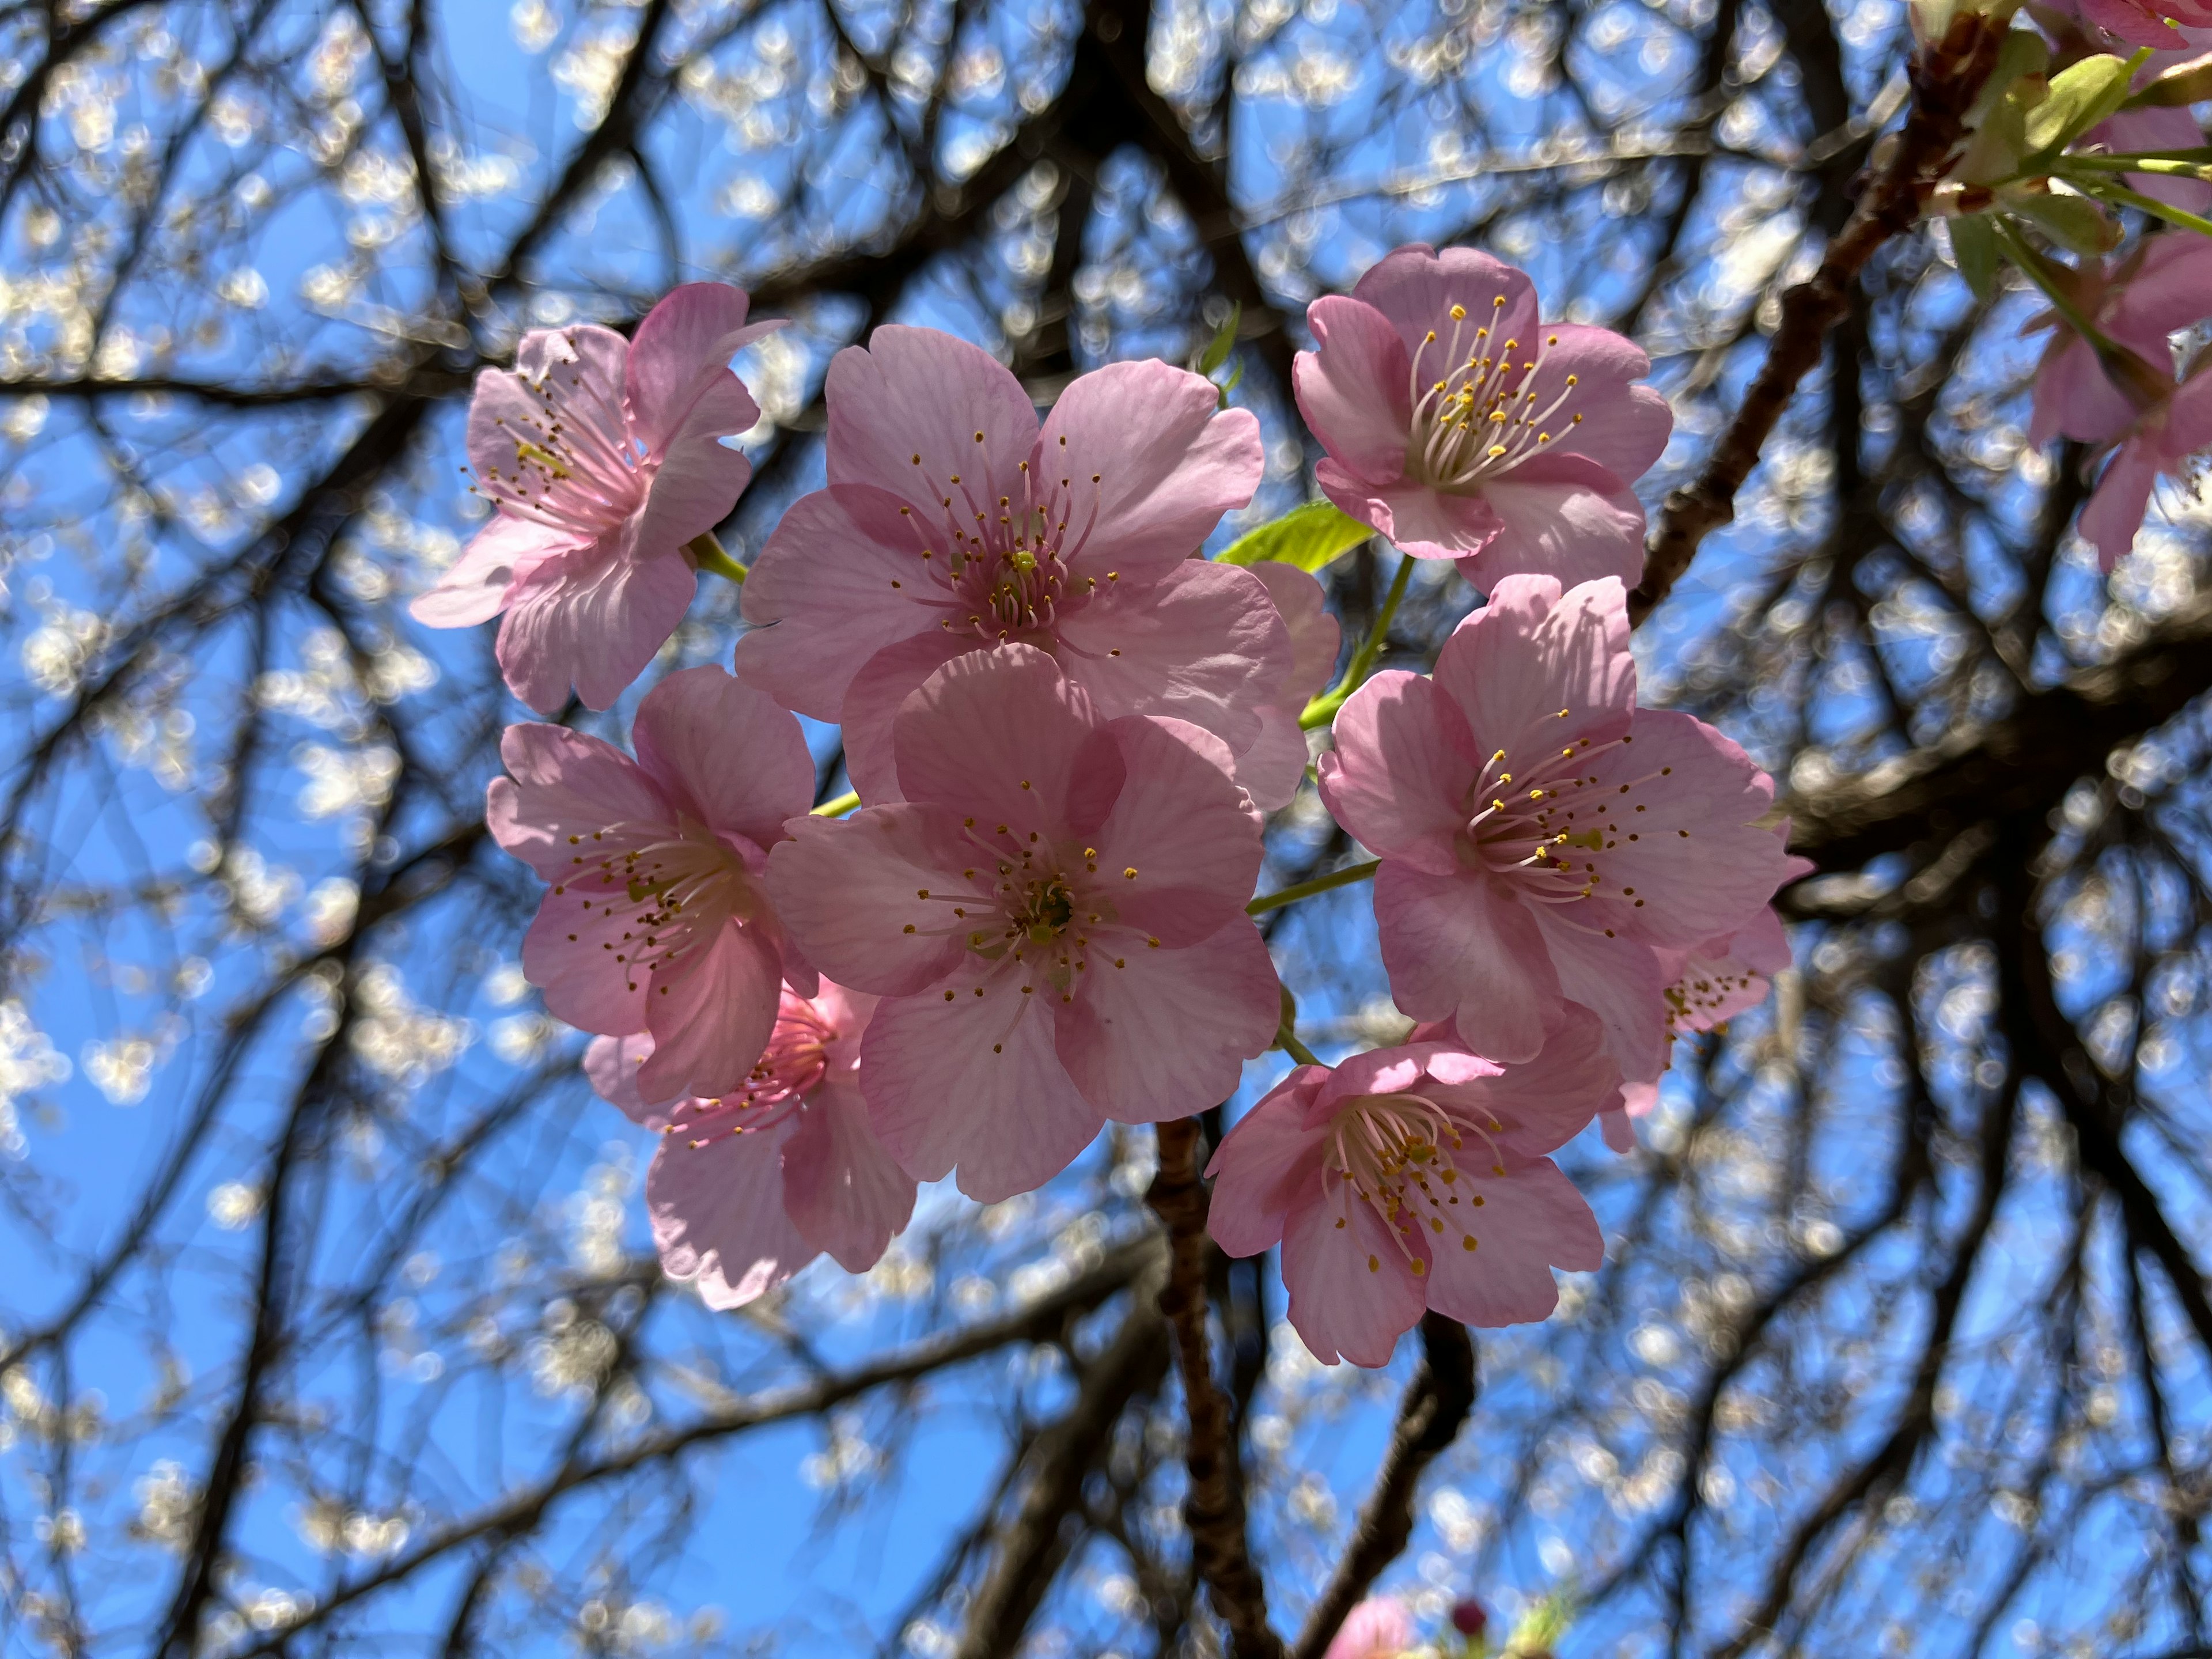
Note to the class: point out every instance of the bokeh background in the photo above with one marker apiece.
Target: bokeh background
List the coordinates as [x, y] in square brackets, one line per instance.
[328, 1319]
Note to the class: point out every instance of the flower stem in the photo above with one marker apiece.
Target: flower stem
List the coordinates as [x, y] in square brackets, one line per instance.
[1287, 1040]
[2113, 191]
[1345, 877]
[1322, 709]
[838, 807]
[2038, 270]
[706, 553]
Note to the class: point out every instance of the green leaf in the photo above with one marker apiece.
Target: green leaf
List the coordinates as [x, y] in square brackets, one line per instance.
[2074, 222]
[1224, 340]
[2022, 53]
[1974, 245]
[2081, 95]
[1311, 537]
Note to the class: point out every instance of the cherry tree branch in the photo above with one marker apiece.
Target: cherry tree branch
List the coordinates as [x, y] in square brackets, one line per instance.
[1436, 1406]
[1946, 78]
[1214, 1510]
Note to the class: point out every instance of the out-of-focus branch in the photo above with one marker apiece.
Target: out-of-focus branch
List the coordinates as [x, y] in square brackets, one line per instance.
[1946, 80]
[1437, 1403]
[1035, 1541]
[1214, 1510]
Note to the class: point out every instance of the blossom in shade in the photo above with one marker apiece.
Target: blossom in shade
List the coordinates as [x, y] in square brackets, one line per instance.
[1053, 915]
[1461, 426]
[747, 1190]
[603, 458]
[2167, 24]
[1379, 1628]
[1273, 767]
[656, 921]
[953, 522]
[1414, 1178]
[1542, 839]
[2153, 127]
[1707, 987]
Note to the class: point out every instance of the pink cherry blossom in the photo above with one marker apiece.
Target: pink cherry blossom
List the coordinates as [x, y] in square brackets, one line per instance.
[2155, 425]
[1541, 838]
[2153, 128]
[1054, 916]
[602, 458]
[1461, 426]
[1415, 1178]
[1379, 1628]
[1707, 987]
[1273, 767]
[747, 1190]
[952, 521]
[657, 921]
[2167, 24]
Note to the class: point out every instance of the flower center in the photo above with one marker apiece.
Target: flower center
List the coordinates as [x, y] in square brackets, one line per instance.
[667, 886]
[1479, 421]
[1394, 1154]
[575, 468]
[1001, 561]
[792, 1068]
[1546, 824]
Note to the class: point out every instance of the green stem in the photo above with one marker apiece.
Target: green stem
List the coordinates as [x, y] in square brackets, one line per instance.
[1322, 709]
[2174, 215]
[1260, 905]
[837, 808]
[2038, 272]
[706, 553]
[1287, 1040]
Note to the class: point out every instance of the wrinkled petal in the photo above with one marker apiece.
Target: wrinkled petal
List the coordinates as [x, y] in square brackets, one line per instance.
[1532, 1220]
[682, 345]
[1457, 949]
[1153, 1035]
[1354, 389]
[596, 629]
[710, 1013]
[576, 954]
[1168, 462]
[1264, 1165]
[841, 579]
[1398, 778]
[1545, 1103]
[1186, 841]
[1352, 1295]
[993, 733]
[1563, 516]
[848, 892]
[874, 698]
[564, 785]
[474, 587]
[1606, 415]
[725, 752]
[610, 1063]
[845, 1191]
[1418, 521]
[1532, 652]
[916, 392]
[1416, 287]
[718, 1216]
[974, 1081]
[1618, 980]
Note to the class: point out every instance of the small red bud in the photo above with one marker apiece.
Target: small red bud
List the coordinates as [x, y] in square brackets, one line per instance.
[1468, 1618]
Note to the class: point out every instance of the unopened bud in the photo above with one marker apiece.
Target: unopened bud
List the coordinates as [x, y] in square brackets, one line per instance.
[1469, 1618]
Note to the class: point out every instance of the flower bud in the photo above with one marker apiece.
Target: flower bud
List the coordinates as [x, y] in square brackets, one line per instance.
[1468, 1618]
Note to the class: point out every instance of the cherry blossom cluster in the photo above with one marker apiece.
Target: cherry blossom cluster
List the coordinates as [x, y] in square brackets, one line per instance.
[1064, 727]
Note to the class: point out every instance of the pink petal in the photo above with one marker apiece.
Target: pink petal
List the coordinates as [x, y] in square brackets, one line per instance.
[847, 892]
[718, 1215]
[727, 754]
[1608, 415]
[1455, 948]
[841, 579]
[994, 734]
[2075, 397]
[1560, 515]
[1317, 637]
[700, 477]
[1181, 825]
[474, 587]
[594, 626]
[1355, 390]
[1398, 778]
[1340, 1305]
[1155, 1035]
[846, 1194]
[1619, 980]
[564, 785]
[580, 369]
[1693, 860]
[1546, 1103]
[1619, 1136]
[1532, 1220]
[1264, 1165]
[2116, 508]
[2149, 129]
[1533, 651]
[1415, 287]
[570, 954]
[1418, 521]
[1168, 462]
[681, 347]
[610, 1063]
[710, 1013]
[874, 698]
[1203, 644]
[917, 391]
[1379, 1628]
[1271, 770]
[974, 1080]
